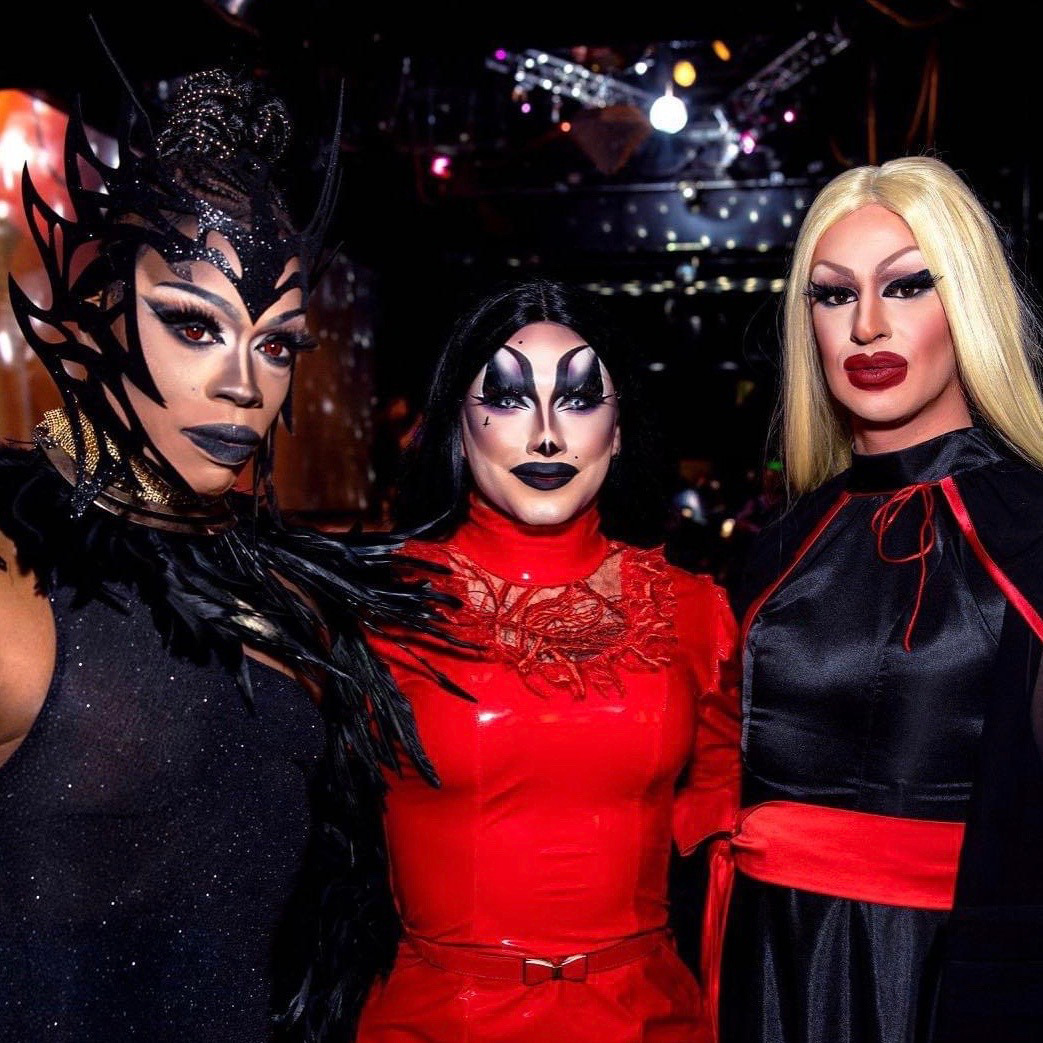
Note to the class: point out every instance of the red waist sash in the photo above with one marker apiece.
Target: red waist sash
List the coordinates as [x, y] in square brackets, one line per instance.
[846, 854]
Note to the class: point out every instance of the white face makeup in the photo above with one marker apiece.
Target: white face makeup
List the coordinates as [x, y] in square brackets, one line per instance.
[882, 333]
[540, 425]
[223, 377]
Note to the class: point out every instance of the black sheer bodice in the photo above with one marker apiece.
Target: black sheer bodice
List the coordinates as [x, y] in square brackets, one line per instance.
[866, 683]
[151, 826]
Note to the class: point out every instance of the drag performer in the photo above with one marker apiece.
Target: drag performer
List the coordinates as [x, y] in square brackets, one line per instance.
[532, 886]
[889, 617]
[157, 749]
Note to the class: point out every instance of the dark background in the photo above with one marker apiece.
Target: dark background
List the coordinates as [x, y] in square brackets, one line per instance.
[596, 205]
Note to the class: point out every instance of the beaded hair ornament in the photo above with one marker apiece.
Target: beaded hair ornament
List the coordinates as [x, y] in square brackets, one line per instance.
[207, 171]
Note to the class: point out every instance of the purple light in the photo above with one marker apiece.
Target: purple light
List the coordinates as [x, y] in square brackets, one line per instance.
[441, 166]
[500, 54]
[789, 116]
[526, 108]
[747, 142]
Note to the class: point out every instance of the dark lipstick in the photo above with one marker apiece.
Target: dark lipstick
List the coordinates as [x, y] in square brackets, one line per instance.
[545, 476]
[876, 372]
[228, 444]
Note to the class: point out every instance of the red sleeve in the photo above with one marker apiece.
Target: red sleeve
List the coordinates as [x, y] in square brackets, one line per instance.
[708, 800]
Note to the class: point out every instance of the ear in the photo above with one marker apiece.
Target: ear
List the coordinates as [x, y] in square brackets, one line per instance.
[617, 440]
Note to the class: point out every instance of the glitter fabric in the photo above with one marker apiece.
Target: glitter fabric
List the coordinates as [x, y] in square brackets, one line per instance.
[151, 824]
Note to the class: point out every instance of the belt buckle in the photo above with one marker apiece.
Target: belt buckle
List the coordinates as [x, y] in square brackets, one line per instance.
[571, 968]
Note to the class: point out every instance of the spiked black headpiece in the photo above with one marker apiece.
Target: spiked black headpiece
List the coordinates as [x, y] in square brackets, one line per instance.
[207, 172]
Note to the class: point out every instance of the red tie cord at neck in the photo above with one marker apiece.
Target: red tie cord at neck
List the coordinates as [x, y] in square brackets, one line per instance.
[886, 515]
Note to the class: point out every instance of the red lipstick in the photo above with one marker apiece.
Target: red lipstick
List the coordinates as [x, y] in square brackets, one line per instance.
[882, 369]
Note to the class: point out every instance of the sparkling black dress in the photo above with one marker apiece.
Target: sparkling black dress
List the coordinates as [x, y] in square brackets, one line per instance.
[151, 825]
[866, 684]
[159, 873]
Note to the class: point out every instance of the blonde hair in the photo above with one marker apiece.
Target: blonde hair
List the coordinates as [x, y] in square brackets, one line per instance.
[993, 329]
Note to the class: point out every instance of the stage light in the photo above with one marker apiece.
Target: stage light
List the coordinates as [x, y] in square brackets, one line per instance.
[684, 74]
[641, 68]
[720, 48]
[501, 54]
[789, 116]
[566, 126]
[441, 167]
[668, 113]
[747, 142]
[526, 107]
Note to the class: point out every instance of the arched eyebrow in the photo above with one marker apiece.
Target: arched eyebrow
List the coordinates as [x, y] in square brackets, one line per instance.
[885, 263]
[579, 375]
[214, 299]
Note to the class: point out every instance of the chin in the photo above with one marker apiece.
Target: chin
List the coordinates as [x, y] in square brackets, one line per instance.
[546, 514]
[211, 482]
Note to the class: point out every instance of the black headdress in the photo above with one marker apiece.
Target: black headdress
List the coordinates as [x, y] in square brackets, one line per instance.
[207, 172]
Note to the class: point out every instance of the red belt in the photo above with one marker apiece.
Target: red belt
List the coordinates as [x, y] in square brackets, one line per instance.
[531, 970]
[846, 854]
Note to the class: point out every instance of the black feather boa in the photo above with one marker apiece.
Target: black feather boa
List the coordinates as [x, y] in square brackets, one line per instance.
[306, 599]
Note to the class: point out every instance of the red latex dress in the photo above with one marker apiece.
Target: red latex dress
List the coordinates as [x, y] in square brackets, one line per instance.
[604, 726]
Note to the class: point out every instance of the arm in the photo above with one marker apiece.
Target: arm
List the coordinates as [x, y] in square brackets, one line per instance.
[709, 799]
[27, 649]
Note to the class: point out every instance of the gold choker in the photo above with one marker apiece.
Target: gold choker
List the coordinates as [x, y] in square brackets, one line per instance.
[148, 501]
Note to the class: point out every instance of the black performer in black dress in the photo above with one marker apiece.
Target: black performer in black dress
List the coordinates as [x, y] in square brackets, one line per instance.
[155, 780]
[890, 619]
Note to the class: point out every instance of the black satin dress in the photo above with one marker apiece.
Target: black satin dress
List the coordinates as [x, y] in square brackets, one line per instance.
[837, 712]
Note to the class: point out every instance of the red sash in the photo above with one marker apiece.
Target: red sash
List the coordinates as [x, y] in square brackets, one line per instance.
[846, 854]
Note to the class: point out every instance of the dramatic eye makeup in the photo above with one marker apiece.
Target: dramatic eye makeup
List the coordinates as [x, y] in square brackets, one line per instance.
[190, 323]
[197, 327]
[508, 382]
[904, 287]
[578, 384]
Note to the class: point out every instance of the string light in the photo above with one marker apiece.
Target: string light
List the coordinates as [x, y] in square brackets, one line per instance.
[684, 73]
[720, 48]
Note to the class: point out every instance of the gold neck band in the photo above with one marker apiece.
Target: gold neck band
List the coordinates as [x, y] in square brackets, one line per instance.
[148, 501]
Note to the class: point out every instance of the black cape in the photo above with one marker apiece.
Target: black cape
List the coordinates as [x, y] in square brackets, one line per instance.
[989, 956]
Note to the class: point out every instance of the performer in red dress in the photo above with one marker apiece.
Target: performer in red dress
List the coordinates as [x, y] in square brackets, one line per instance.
[532, 885]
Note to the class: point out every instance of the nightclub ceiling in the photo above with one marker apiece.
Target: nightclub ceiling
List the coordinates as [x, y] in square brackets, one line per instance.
[473, 153]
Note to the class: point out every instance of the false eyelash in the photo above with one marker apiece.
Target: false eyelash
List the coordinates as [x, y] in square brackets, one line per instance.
[296, 340]
[921, 280]
[186, 315]
[590, 400]
[818, 291]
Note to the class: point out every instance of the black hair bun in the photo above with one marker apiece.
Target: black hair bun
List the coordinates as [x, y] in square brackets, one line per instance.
[215, 116]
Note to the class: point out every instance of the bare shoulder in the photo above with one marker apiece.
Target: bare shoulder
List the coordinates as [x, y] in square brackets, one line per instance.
[27, 649]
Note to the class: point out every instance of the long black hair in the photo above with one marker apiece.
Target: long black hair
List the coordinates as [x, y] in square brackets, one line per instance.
[436, 479]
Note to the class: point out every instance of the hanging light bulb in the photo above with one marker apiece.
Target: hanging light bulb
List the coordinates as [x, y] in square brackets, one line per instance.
[668, 113]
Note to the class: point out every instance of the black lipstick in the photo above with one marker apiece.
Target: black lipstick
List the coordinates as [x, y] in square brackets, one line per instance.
[545, 476]
[228, 444]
